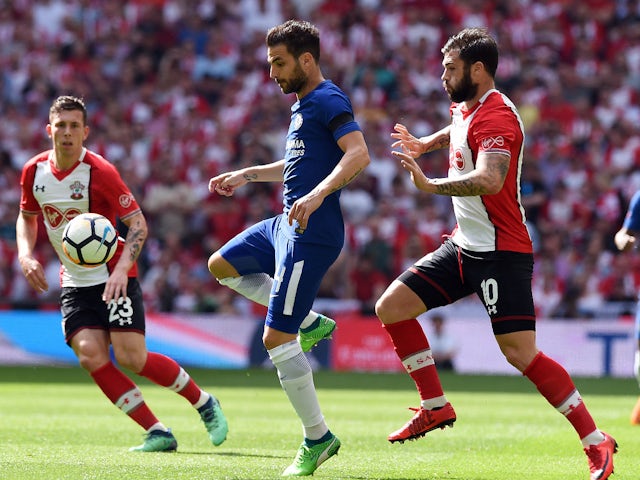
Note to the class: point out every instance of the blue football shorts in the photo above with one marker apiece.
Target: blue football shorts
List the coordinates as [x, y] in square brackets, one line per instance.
[297, 269]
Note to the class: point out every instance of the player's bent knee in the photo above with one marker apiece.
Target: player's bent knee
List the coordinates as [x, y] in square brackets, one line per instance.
[91, 360]
[130, 363]
[220, 268]
[212, 264]
[385, 310]
[398, 303]
[518, 358]
[91, 355]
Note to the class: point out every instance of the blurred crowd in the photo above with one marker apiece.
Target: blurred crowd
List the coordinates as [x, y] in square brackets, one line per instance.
[179, 90]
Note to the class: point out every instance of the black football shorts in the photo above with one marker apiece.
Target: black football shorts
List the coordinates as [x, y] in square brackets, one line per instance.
[82, 307]
[502, 281]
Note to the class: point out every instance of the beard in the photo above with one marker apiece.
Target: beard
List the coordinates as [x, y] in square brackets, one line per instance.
[465, 90]
[295, 83]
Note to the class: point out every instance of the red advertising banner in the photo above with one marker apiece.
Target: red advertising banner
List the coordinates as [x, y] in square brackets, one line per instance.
[361, 344]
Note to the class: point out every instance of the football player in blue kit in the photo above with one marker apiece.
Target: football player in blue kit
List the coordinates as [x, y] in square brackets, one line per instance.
[625, 240]
[280, 261]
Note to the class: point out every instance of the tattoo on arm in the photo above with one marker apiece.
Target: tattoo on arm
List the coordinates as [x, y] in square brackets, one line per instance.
[250, 177]
[135, 239]
[441, 142]
[494, 173]
[346, 182]
[461, 188]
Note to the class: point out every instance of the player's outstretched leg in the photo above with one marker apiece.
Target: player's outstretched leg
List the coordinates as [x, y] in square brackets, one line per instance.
[320, 329]
[157, 441]
[423, 422]
[311, 455]
[214, 421]
[601, 458]
[166, 372]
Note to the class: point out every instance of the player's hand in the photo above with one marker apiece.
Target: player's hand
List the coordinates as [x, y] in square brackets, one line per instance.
[116, 286]
[303, 208]
[226, 183]
[629, 242]
[410, 144]
[34, 273]
[418, 177]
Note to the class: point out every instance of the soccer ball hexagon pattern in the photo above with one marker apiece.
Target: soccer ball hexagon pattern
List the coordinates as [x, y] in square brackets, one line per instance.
[89, 239]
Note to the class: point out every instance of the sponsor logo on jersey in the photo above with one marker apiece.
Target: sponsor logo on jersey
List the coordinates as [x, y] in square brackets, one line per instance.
[489, 143]
[126, 200]
[76, 190]
[56, 217]
[295, 148]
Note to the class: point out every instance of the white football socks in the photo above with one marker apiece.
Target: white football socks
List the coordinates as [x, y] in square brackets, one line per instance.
[296, 378]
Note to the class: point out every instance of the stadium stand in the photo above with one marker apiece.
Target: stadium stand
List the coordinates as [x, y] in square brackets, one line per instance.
[178, 90]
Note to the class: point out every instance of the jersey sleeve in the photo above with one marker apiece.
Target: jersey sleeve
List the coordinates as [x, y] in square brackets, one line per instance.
[28, 202]
[110, 192]
[495, 131]
[338, 115]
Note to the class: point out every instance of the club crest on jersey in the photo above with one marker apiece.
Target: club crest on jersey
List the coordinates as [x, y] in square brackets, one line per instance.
[296, 121]
[458, 160]
[76, 190]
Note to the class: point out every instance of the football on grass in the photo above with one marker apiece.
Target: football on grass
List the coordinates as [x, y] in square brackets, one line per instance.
[89, 239]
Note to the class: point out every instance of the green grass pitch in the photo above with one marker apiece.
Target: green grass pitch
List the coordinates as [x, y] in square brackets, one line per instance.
[56, 424]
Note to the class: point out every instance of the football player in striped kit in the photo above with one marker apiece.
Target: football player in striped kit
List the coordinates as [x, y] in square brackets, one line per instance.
[103, 305]
[489, 252]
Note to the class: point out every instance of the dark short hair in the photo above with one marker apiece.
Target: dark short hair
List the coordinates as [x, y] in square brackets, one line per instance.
[68, 103]
[298, 36]
[475, 45]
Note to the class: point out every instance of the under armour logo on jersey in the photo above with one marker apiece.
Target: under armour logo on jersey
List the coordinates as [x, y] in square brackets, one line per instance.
[38, 188]
[491, 142]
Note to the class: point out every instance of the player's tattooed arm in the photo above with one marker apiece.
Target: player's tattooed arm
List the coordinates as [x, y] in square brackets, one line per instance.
[271, 172]
[486, 179]
[440, 141]
[135, 239]
[116, 286]
[346, 181]
[136, 236]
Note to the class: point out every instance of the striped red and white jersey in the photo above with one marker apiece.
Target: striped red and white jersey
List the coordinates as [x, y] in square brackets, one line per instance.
[92, 185]
[488, 223]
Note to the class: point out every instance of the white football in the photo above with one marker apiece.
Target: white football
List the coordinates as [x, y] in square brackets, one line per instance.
[89, 239]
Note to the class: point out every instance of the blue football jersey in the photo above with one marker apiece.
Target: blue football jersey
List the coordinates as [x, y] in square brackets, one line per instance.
[318, 121]
[632, 218]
